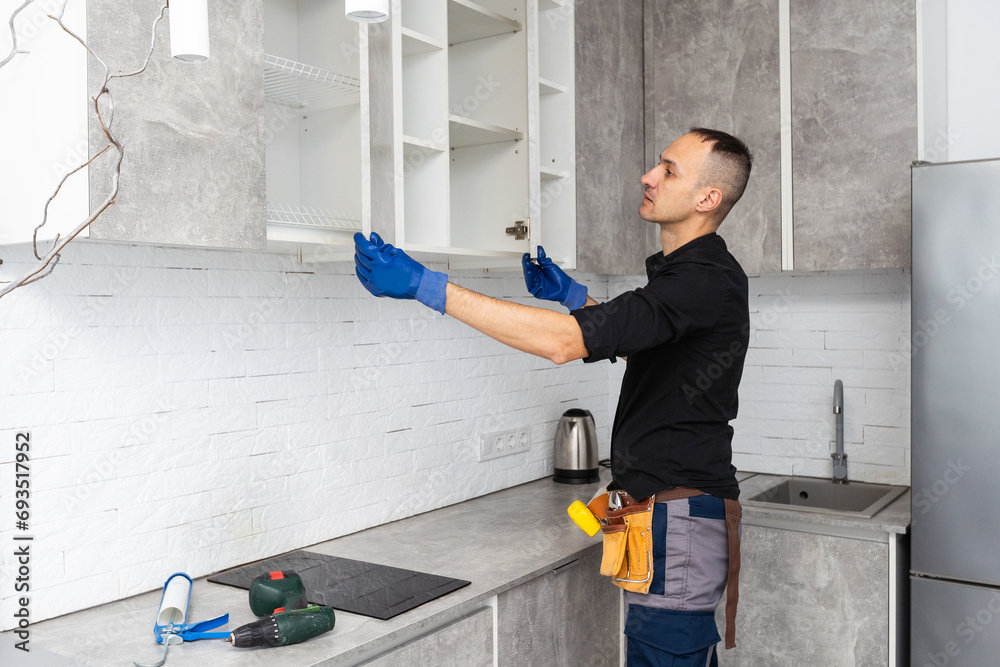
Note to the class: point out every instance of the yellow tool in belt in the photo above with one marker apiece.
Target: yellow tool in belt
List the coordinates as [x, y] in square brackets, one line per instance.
[591, 517]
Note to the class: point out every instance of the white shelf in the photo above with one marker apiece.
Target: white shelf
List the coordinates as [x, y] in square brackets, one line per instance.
[546, 87]
[468, 21]
[415, 42]
[549, 174]
[308, 216]
[299, 85]
[468, 252]
[544, 5]
[413, 145]
[467, 132]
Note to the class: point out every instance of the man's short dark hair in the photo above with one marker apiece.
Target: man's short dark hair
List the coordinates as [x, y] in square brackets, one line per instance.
[727, 166]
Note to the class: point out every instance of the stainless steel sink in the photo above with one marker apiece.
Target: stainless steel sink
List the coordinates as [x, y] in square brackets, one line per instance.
[822, 495]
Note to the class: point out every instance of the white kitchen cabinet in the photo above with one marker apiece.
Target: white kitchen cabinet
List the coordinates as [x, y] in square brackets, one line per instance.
[484, 135]
[313, 142]
[449, 129]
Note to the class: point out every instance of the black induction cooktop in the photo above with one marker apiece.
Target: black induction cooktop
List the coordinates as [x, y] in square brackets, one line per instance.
[349, 585]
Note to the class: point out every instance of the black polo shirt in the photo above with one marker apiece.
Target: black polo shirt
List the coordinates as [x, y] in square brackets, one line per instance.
[685, 335]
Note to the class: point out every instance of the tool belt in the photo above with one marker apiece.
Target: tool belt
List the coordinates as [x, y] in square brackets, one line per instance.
[628, 544]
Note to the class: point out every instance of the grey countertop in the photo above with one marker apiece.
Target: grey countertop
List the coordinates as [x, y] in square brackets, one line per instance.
[496, 541]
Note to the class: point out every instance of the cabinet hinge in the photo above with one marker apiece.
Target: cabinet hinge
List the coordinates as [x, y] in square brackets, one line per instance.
[520, 230]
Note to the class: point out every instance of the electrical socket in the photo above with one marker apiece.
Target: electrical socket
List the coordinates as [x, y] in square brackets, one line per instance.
[504, 443]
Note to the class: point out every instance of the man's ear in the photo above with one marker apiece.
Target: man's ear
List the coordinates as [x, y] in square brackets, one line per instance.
[710, 200]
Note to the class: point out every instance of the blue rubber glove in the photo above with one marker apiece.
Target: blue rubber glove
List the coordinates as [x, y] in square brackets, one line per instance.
[385, 270]
[546, 280]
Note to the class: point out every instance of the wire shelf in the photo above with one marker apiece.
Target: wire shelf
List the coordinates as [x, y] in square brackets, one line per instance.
[308, 216]
[299, 85]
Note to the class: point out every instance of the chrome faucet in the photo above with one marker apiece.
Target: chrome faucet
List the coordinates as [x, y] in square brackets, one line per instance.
[839, 457]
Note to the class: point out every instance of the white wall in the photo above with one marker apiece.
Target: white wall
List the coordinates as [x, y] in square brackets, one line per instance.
[808, 330]
[961, 65]
[193, 410]
[973, 73]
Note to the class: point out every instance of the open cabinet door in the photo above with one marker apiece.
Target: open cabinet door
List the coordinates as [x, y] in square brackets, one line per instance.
[44, 123]
[553, 147]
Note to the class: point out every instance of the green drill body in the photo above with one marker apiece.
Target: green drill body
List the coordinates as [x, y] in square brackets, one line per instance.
[284, 628]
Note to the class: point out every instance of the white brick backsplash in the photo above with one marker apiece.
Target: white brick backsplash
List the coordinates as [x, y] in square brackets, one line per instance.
[202, 365]
[58, 407]
[786, 339]
[807, 375]
[279, 361]
[160, 397]
[851, 326]
[74, 595]
[105, 372]
[138, 518]
[828, 358]
[27, 376]
[190, 258]
[861, 339]
[214, 419]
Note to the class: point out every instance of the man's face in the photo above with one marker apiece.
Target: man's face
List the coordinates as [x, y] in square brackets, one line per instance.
[670, 189]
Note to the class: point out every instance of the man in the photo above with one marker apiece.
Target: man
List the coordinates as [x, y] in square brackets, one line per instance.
[685, 336]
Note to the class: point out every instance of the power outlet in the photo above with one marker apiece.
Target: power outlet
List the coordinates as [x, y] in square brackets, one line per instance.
[504, 443]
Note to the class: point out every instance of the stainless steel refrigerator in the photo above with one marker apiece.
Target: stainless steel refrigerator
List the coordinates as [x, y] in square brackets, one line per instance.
[955, 538]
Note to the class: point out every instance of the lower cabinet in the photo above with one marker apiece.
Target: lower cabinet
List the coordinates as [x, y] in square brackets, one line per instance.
[465, 643]
[569, 616]
[816, 599]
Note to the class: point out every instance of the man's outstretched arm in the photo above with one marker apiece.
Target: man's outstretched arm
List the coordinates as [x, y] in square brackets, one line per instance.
[388, 271]
[544, 333]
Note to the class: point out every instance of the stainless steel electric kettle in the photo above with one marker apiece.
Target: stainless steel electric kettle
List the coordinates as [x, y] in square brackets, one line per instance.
[575, 455]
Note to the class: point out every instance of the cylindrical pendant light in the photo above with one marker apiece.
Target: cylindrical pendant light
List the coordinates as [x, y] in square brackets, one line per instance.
[366, 11]
[189, 30]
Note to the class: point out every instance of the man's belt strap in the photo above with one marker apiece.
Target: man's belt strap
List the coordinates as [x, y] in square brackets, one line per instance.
[733, 516]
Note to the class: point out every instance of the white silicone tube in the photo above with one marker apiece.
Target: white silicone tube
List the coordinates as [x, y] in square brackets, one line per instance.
[189, 30]
[174, 606]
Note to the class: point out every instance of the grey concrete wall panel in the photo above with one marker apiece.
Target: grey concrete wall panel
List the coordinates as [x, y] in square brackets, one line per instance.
[193, 172]
[465, 643]
[566, 617]
[611, 237]
[715, 63]
[809, 600]
[854, 132]
[380, 131]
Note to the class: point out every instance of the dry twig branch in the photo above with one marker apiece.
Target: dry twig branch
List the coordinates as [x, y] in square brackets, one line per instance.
[50, 259]
[13, 35]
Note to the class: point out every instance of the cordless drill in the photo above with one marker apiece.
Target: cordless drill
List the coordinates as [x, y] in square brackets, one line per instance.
[280, 597]
[284, 628]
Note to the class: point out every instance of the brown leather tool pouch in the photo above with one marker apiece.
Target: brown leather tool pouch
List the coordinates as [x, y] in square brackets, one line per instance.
[628, 546]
